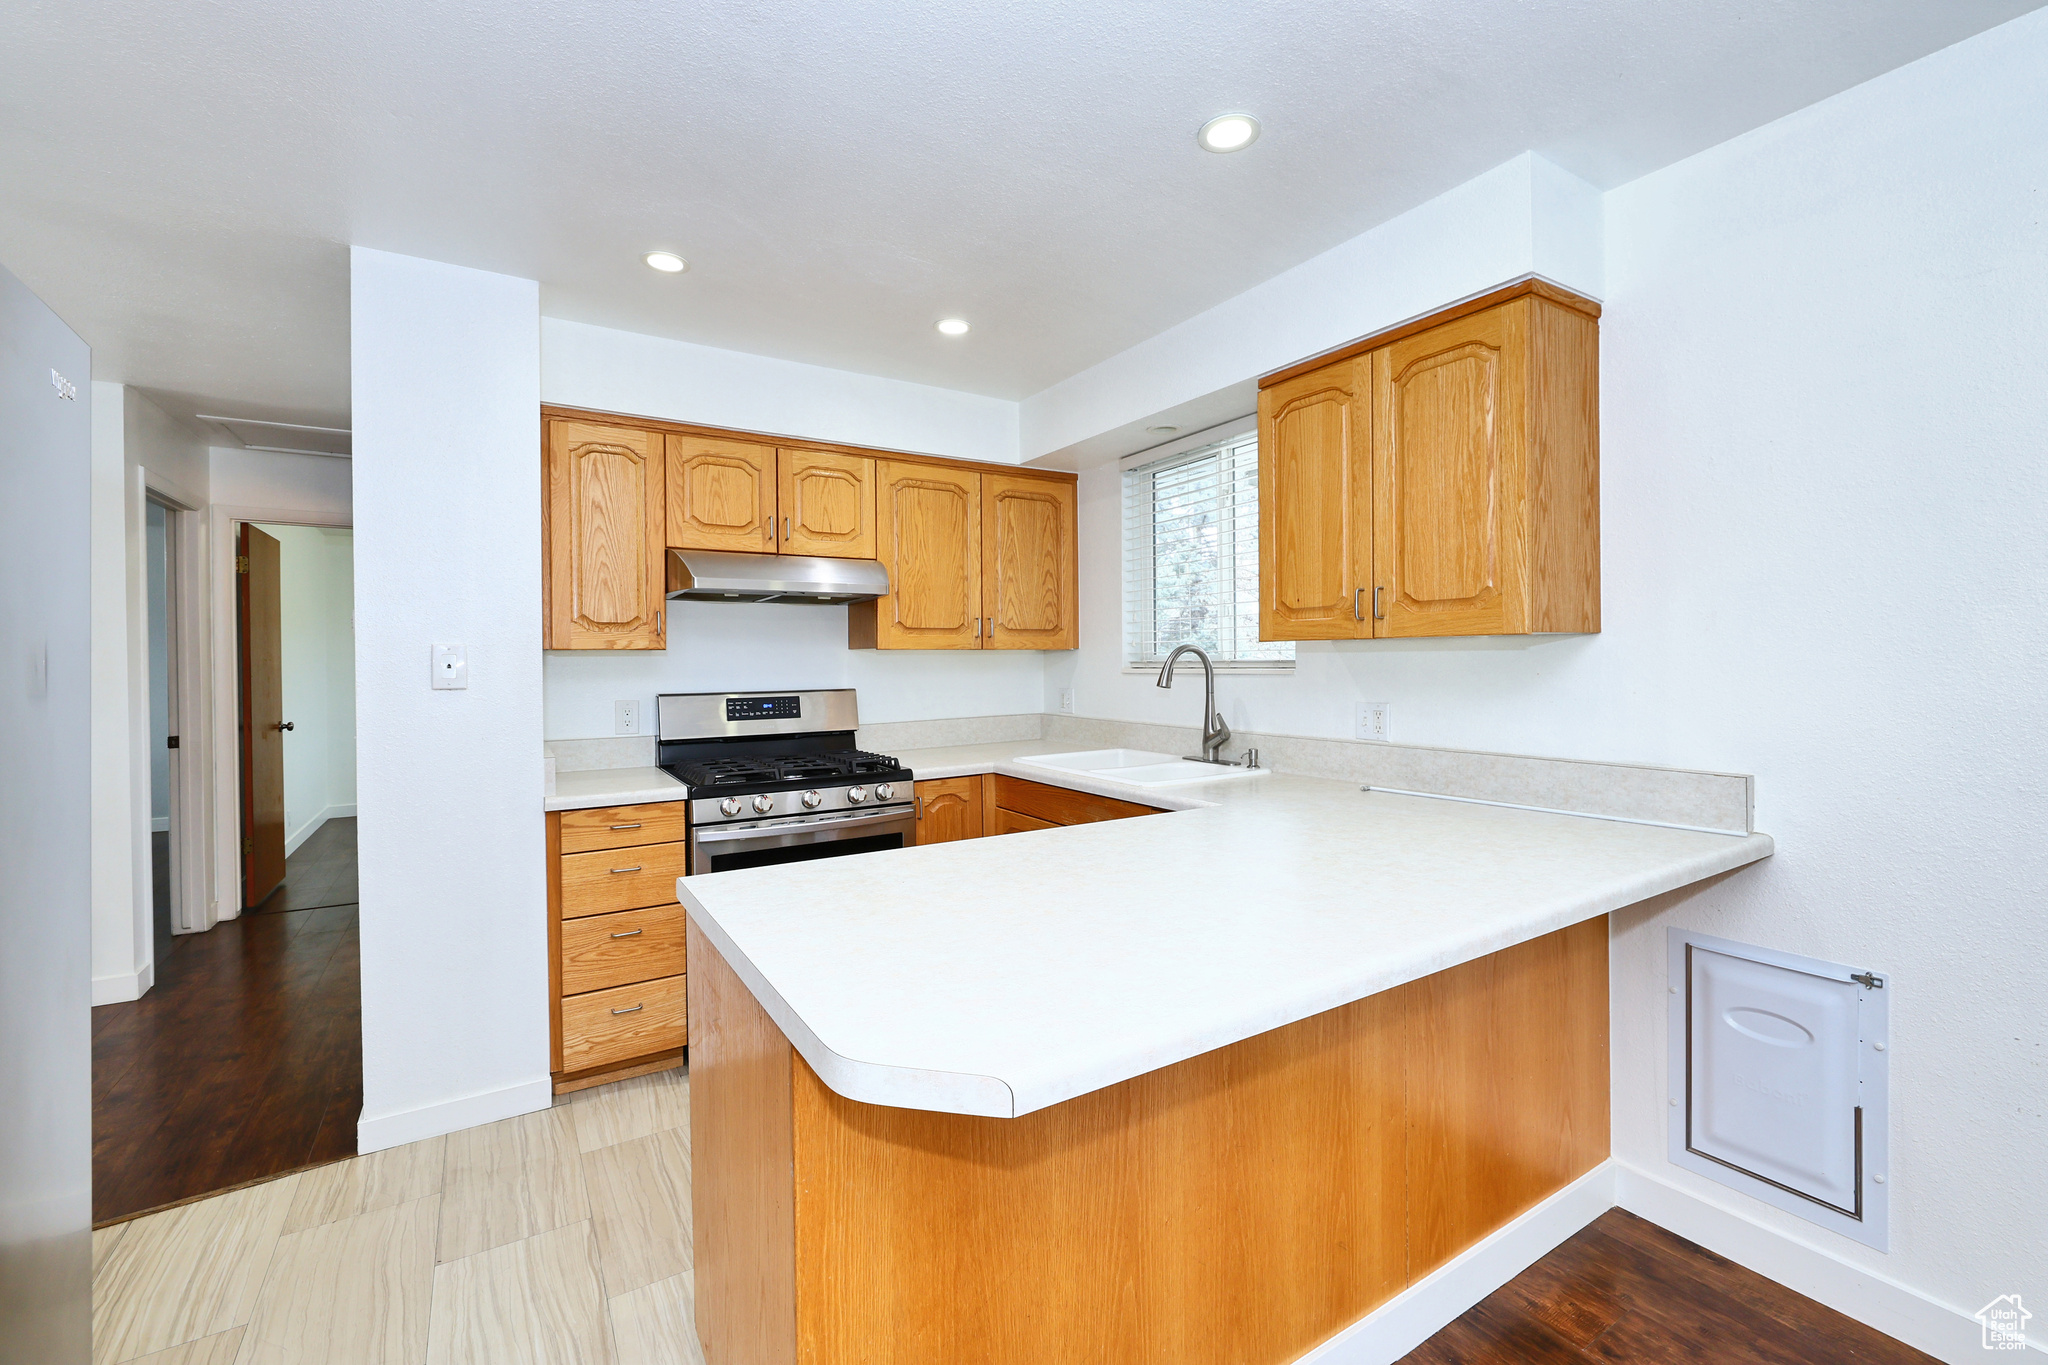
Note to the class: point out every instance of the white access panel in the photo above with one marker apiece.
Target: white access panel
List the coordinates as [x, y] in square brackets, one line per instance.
[1778, 1079]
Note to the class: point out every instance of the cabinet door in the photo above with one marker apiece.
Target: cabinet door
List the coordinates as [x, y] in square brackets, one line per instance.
[601, 528]
[827, 504]
[721, 495]
[948, 808]
[1447, 470]
[928, 535]
[1315, 504]
[1029, 563]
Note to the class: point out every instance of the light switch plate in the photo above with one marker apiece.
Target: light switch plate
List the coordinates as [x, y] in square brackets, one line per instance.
[451, 667]
[1375, 721]
[626, 717]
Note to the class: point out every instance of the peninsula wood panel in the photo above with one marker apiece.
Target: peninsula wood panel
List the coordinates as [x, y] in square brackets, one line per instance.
[1004, 821]
[601, 951]
[742, 1170]
[1450, 453]
[624, 826]
[1315, 505]
[1236, 1208]
[1564, 480]
[827, 504]
[948, 808]
[928, 536]
[721, 495]
[620, 878]
[601, 532]
[623, 1023]
[1062, 805]
[1030, 563]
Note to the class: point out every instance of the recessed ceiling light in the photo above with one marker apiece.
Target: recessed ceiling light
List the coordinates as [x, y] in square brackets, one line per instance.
[1162, 431]
[953, 327]
[666, 261]
[1229, 133]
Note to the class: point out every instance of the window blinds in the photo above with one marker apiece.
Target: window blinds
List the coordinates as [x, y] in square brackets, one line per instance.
[1191, 557]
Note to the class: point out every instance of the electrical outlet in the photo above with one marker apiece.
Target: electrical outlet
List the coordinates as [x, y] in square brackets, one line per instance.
[625, 717]
[1066, 701]
[1375, 721]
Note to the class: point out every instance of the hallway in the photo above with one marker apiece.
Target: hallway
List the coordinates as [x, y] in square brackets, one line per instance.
[245, 1059]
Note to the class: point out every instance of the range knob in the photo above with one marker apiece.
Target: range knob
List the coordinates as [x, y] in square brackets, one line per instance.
[812, 800]
[856, 795]
[764, 803]
[884, 791]
[729, 806]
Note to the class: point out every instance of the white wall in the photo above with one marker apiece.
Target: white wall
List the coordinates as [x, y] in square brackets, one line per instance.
[267, 479]
[1823, 487]
[316, 610]
[446, 401]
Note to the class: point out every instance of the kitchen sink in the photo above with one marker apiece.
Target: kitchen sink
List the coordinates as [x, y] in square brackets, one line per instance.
[1139, 767]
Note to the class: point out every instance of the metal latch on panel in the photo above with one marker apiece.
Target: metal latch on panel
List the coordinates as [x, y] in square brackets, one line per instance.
[1870, 981]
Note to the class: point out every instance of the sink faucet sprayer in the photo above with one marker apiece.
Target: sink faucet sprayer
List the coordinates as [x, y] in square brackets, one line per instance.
[1215, 734]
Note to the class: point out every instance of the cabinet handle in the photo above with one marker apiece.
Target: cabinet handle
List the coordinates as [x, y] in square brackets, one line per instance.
[641, 1006]
[785, 530]
[1377, 614]
[625, 826]
[660, 625]
[634, 868]
[629, 933]
[1355, 595]
[977, 627]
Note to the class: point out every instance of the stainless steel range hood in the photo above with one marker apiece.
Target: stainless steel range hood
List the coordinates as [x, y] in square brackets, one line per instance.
[722, 576]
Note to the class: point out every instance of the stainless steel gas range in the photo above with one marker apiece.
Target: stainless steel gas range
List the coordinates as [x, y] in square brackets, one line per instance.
[774, 777]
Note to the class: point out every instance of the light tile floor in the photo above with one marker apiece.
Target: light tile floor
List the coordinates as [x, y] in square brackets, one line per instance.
[560, 1237]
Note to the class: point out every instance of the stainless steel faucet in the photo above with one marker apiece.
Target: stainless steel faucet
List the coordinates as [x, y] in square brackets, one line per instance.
[1215, 734]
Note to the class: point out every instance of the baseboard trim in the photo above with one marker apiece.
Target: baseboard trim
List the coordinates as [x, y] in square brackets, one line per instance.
[1423, 1309]
[118, 988]
[1942, 1330]
[312, 827]
[396, 1128]
[160, 824]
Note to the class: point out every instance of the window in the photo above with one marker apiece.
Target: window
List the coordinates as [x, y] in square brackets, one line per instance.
[1191, 558]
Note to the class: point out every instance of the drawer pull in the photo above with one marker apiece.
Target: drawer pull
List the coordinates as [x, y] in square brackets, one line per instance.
[625, 826]
[641, 1006]
[634, 868]
[629, 933]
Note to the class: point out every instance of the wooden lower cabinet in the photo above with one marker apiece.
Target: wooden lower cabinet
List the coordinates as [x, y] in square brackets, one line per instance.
[1061, 805]
[949, 808]
[617, 960]
[1010, 822]
[1239, 1206]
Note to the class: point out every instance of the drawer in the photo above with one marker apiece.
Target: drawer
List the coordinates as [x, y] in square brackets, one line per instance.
[1010, 822]
[660, 822]
[630, 945]
[1062, 805]
[620, 878]
[622, 1023]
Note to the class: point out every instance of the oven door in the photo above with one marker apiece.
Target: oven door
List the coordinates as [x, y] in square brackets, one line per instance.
[730, 847]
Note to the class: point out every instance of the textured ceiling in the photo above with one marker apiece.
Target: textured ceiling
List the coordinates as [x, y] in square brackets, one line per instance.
[180, 181]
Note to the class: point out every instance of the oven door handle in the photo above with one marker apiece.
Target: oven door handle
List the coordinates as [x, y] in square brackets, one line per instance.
[896, 815]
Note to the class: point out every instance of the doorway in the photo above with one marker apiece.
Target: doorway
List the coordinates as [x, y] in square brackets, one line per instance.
[160, 559]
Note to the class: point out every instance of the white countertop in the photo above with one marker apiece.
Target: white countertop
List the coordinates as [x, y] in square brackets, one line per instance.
[594, 787]
[999, 976]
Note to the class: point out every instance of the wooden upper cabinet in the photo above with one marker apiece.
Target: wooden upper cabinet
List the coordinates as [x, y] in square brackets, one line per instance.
[601, 529]
[928, 535]
[827, 504]
[1315, 491]
[721, 494]
[1447, 478]
[1030, 563]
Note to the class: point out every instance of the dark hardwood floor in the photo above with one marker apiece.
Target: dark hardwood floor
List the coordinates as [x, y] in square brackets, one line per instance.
[246, 1058]
[321, 873]
[1625, 1290]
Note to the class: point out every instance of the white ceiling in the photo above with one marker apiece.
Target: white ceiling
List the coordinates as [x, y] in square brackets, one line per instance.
[180, 181]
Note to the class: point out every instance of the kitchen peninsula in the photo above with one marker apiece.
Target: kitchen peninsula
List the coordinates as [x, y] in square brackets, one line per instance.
[1204, 1086]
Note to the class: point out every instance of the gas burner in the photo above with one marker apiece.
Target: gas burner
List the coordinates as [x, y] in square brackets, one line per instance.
[832, 766]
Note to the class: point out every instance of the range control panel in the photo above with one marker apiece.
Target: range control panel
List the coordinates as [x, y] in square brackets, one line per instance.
[763, 708]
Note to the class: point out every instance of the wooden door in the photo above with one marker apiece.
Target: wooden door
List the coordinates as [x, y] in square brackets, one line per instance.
[602, 528]
[948, 808]
[721, 495]
[928, 536]
[1315, 505]
[1029, 563]
[260, 654]
[1447, 469]
[827, 504]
